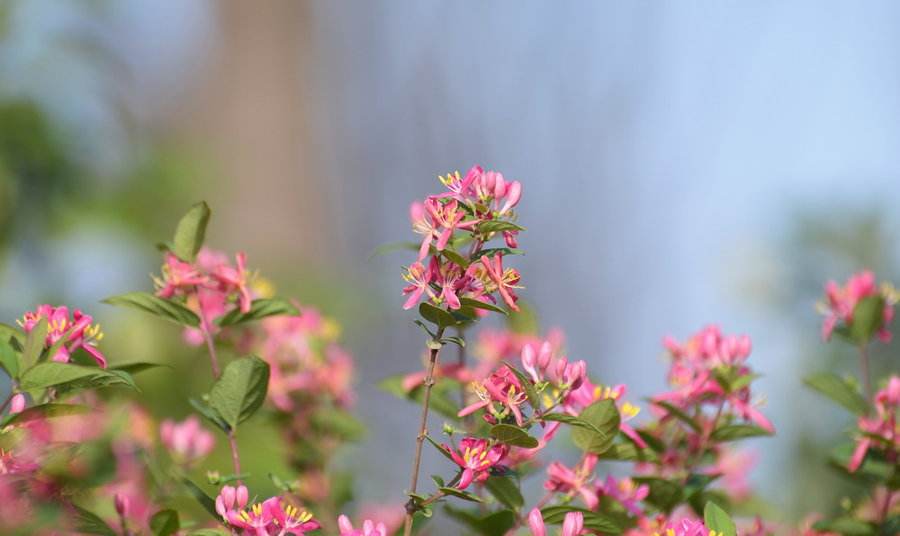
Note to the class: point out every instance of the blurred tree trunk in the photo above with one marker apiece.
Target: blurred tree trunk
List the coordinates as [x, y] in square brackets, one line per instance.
[251, 113]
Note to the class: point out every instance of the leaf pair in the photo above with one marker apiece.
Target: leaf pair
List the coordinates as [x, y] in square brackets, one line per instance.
[237, 394]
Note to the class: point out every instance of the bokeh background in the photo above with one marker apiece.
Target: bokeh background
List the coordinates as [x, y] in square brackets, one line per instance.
[683, 163]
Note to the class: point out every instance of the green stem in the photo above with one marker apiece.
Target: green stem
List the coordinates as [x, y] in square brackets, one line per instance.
[217, 372]
[411, 506]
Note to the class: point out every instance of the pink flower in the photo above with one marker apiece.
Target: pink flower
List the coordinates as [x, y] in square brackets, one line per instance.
[503, 281]
[502, 387]
[447, 218]
[476, 457]
[235, 279]
[573, 523]
[178, 277]
[69, 333]
[230, 499]
[573, 481]
[734, 466]
[369, 528]
[880, 430]
[186, 441]
[289, 519]
[17, 404]
[842, 301]
[625, 492]
[419, 280]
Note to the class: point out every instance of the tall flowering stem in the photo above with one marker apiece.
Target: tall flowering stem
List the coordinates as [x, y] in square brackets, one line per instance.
[456, 277]
[411, 506]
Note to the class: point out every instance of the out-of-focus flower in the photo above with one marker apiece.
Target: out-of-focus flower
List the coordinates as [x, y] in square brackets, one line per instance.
[573, 524]
[187, 441]
[235, 280]
[17, 404]
[734, 466]
[68, 333]
[575, 480]
[476, 457]
[879, 431]
[369, 528]
[841, 303]
[625, 492]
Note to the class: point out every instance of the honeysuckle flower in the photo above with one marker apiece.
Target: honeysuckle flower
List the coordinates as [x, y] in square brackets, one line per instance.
[235, 279]
[17, 404]
[257, 520]
[535, 362]
[419, 279]
[231, 498]
[575, 480]
[476, 457]
[459, 187]
[369, 528]
[502, 280]
[178, 277]
[625, 492]
[687, 527]
[447, 218]
[288, 518]
[841, 303]
[187, 441]
[502, 387]
[881, 430]
[72, 333]
[573, 524]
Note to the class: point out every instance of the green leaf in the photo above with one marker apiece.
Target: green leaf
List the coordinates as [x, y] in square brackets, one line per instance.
[733, 432]
[436, 315]
[513, 435]
[677, 413]
[259, 309]
[664, 494]
[597, 427]
[839, 390]
[34, 343]
[506, 491]
[44, 411]
[490, 252]
[478, 304]
[496, 226]
[455, 257]
[137, 366]
[191, 232]
[205, 501]
[460, 494]
[90, 523]
[8, 332]
[165, 523]
[67, 375]
[718, 520]
[168, 309]
[241, 390]
[209, 532]
[440, 448]
[555, 515]
[867, 318]
[9, 359]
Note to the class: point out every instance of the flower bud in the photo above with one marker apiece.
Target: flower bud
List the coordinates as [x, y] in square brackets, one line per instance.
[17, 404]
[122, 504]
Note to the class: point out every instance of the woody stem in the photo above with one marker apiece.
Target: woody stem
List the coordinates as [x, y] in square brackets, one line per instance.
[411, 506]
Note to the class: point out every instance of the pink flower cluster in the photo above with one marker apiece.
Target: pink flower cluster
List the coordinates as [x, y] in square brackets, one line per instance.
[68, 332]
[697, 371]
[573, 524]
[841, 302]
[881, 431]
[187, 441]
[272, 517]
[466, 215]
[211, 285]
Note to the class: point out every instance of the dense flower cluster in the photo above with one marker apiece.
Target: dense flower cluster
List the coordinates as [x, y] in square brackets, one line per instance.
[469, 214]
[66, 333]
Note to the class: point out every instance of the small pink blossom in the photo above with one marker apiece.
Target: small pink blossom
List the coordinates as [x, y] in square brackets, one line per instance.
[476, 457]
[573, 524]
[17, 404]
[187, 441]
[575, 480]
[369, 528]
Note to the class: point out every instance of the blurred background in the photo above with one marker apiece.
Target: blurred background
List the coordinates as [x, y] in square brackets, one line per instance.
[683, 164]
